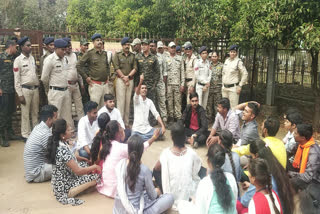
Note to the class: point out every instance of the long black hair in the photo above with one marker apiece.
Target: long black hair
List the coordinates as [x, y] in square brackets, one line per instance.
[259, 169]
[135, 151]
[282, 180]
[226, 138]
[58, 127]
[111, 130]
[103, 120]
[216, 156]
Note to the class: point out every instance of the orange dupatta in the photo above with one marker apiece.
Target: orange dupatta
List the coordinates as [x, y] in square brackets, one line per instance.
[301, 157]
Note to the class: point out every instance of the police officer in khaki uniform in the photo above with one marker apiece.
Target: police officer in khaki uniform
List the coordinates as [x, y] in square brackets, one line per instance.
[55, 79]
[189, 64]
[175, 82]
[99, 70]
[234, 76]
[49, 43]
[74, 79]
[26, 85]
[125, 65]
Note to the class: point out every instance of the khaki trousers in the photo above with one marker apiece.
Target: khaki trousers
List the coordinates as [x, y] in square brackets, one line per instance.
[62, 100]
[32, 106]
[161, 100]
[97, 93]
[123, 99]
[203, 95]
[231, 94]
[76, 98]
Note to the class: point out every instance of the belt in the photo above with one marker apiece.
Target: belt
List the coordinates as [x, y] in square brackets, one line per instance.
[188, 79]
[58, 88]
[30, 87]
[99, 82]
[72, 82]
[201, 84]
[230, 85]
[130, 77]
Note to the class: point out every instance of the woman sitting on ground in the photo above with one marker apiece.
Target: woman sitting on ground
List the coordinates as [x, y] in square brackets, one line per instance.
[280, 180]
[134, 180]
[111, 152]
[265, 200]
[217, 192]
[232, 162]
[179, 167]
[68, 178]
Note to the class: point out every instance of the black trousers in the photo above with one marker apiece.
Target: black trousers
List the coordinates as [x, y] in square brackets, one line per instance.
[201, 139]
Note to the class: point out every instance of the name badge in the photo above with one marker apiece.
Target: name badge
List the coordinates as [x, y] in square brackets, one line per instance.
[7, 60]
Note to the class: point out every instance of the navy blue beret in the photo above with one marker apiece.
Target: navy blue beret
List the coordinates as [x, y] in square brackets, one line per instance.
[125, 40]
[96, 36]
[233, 48]
[178, 48]
[67, 39]
[22, 41]
[48, 40]
[203, 48]
[188, 47]
[60, 43]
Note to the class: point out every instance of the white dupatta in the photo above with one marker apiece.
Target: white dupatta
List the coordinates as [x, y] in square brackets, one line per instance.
[121, 172]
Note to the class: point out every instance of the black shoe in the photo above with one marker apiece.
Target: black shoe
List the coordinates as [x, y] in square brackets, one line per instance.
[24, 139]
[10, 135]
[4, 142]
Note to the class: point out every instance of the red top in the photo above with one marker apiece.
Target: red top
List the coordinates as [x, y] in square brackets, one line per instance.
[194, 125]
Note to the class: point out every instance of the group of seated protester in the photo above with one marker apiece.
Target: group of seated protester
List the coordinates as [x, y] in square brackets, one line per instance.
[244, 174]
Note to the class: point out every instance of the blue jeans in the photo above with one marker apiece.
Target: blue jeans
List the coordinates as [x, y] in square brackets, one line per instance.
[84, 153]
[147, 135]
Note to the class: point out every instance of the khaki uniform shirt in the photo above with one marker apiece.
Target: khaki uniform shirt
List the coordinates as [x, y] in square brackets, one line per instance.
[175, 69]
[125, 63]
[189, 65]
[99, 69]
[234, 72]
[54, 72]
[24, 70]
[73, 75]
[42, 59]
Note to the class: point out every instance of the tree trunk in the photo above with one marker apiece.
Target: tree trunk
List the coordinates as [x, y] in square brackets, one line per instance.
[316, 90]
[272, 62]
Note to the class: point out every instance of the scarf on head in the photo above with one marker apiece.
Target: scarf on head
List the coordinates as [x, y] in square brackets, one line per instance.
[302, 154]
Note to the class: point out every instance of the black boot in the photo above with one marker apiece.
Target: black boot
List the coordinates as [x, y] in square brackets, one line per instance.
[10, 135]
[4, 142]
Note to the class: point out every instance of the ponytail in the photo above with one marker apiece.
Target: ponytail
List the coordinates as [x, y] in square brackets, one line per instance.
[111, 130]
[271, 195]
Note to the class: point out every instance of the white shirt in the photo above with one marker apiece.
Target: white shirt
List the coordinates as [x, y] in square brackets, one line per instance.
[202, 71]
[141, 114]
[114, 115]
[86, 132]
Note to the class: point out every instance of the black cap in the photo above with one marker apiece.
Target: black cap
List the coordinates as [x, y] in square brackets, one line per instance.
[203, 48]
[22, 41]
[125, 40]
[48, 40]
[67, 39]
[96, 36]
[233, 48]
[178, 48]
[60, 43]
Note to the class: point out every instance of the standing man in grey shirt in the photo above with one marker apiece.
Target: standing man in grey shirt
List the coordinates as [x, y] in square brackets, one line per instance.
[249, 129]
[34, 157]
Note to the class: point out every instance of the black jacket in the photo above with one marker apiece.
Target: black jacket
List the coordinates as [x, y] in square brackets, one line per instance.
[202, 118]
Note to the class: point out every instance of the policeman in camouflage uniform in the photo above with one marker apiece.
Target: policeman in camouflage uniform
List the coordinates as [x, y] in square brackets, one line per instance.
[7, 93]
[148, 65]
[175, 82]
[215, 86]
[161, 87]
[84, 46]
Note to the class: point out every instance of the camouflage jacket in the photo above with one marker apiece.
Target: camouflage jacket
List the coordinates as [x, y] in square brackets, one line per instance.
[175, 69]
[149, 66]
[216, 77]
[6, 73]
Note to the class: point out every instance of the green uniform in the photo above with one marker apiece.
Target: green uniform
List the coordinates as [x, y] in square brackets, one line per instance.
[124, 63]
[214, 90]
[85, 97]
[42, 94]
[149, 66]
[98, 67]
[7, 102]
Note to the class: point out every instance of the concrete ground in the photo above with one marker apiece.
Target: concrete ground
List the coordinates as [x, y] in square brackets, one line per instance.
[18, 196]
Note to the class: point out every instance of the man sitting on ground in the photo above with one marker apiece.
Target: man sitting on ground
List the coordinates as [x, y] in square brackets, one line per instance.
[34, 156]
[249, 129]
[270, 128]
[226, 119]
[87, 129]
[307, 158]
[142, 105]
[195, 122]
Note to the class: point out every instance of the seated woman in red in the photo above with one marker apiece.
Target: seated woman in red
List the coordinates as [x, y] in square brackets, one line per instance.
[265, 200]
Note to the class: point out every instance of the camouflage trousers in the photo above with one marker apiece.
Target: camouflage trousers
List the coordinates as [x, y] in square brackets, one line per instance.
[174, 101]
[151, 94]
[161, 100]
[7, 108]
[213, 99]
